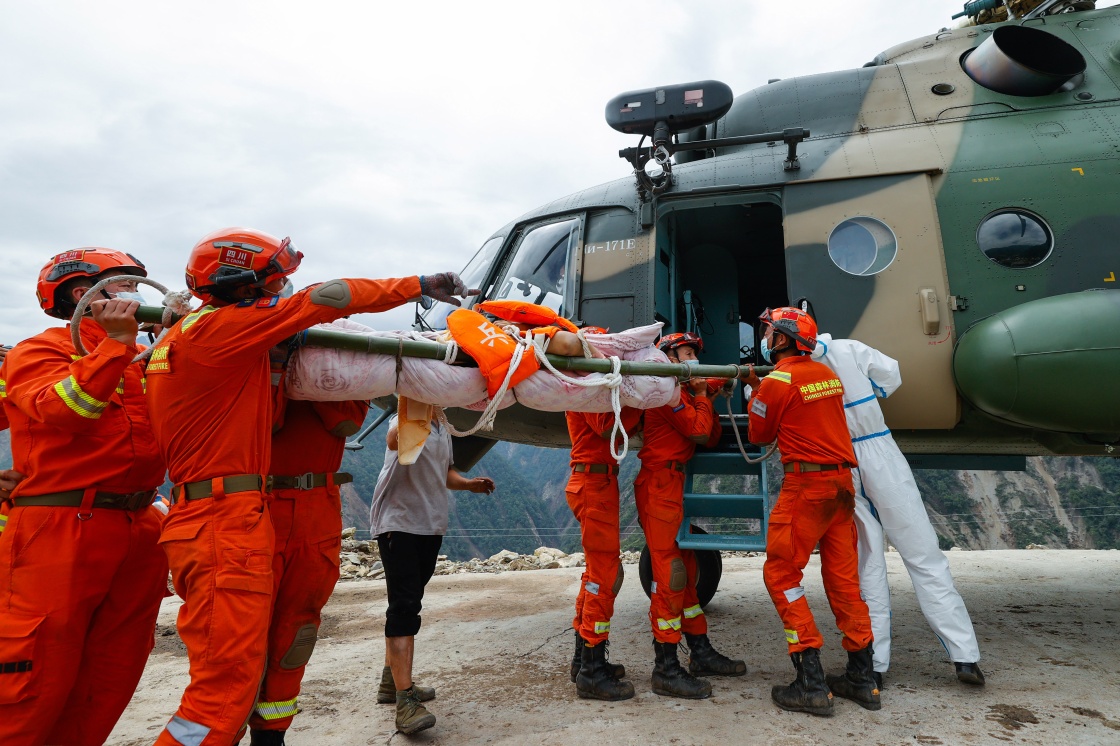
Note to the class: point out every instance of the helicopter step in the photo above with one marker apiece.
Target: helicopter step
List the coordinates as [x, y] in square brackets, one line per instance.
[737, 506]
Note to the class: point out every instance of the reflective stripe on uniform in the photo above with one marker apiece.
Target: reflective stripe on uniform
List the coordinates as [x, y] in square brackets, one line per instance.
[144, 384]
[791, 636]
[120, 386]
[3, 522]
[277, 710]
[664, 624]
[3, 389]
[794, 593]
[693, 611]
[194, 316]
[602, 628]
[186, 732]
[72, 395]
[781, 375]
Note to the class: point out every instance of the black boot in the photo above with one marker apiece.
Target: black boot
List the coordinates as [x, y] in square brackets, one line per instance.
[704, 660]
[266, 737]
[670, 679]
[970, 673]
[595, 681]
[857, 683]
[808, 692]
[617, 670]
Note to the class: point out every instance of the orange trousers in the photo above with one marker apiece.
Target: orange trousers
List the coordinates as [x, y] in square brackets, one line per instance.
[816, 509]
[308, 528]
[673, 606]
[593, 499]
[79, 596]
[220, 552]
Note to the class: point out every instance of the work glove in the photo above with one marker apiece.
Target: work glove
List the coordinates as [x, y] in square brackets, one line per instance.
[444, 286]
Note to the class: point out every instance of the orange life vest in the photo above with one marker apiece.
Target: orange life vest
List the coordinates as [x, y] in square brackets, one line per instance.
[490, 347]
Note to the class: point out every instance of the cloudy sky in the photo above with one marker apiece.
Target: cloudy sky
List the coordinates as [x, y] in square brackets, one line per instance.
[386, 139]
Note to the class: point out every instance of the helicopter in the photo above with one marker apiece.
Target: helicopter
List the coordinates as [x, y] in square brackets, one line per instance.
[951, 203]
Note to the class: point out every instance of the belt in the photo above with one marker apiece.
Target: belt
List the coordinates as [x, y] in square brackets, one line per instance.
[73, 499]
[596, 468]
[307, 481]
[795, 467]
[204, 489]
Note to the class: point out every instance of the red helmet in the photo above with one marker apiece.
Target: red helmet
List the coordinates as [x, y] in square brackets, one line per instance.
[794, 323]
[231, 258]
[87, 262]
[672, 341]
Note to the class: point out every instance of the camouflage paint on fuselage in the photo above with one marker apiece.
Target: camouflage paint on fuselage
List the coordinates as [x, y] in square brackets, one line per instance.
[884, 144]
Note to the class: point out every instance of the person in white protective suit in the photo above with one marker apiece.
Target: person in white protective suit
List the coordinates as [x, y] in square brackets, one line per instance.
[887, 500]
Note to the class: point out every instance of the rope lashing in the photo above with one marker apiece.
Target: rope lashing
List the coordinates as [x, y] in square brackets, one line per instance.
[176, 303]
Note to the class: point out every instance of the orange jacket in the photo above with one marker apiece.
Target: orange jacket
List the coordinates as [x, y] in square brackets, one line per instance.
[313, 436]
[585, 429]
[668, 431]
[208, 382]
[801, 404]
[79, 422]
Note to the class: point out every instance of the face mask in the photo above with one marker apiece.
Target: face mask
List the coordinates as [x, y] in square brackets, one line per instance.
[691, 362]
[764, 350]
[126, 295]
[286, 290]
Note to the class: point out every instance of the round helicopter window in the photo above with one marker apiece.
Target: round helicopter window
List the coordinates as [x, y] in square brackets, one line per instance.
[862, 246]
[1015, 238]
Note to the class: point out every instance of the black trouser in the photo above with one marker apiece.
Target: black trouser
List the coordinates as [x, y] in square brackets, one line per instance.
[409, 561]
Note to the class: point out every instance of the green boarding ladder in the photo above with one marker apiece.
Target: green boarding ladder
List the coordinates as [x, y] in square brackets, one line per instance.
[725, 459]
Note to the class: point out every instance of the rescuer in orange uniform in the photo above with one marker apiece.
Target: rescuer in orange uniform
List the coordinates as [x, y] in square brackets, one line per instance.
[670, 435]
[81, 574]
[306, 511]
[800, 403]
[210, 398]
[592, 494]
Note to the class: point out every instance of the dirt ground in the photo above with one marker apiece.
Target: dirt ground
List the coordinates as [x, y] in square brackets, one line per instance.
[497, 647]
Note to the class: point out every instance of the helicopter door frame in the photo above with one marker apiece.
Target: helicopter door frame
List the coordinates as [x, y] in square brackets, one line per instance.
[869, 256]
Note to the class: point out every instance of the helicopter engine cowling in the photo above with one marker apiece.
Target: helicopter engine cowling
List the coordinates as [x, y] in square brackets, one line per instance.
[1049, 364]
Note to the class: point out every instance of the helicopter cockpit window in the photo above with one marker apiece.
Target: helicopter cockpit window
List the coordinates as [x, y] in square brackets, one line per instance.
[473, 275]
[1015, 238]
[538, 269]
[862, 246]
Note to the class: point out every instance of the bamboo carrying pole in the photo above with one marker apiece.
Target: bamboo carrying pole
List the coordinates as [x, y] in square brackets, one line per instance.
[438, 351]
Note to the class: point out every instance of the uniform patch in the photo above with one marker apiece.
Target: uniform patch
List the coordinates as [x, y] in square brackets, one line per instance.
[758, 407]
[160, 361]
[821, 390]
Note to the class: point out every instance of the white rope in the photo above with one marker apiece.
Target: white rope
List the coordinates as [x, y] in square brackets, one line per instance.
[726, 394]
[612, 380]
[486, 419]
[175, 302]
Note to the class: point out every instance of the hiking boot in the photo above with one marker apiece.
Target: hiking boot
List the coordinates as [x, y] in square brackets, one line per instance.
[704, 660]
[387, 692]
[670, 680]
[857, 683]
[412, 716]
[266, 737]
[616, 670]
[970, 673]
[808, 692]
[595, 679]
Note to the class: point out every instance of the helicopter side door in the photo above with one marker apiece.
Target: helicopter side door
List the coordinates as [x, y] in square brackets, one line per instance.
[868, 255]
